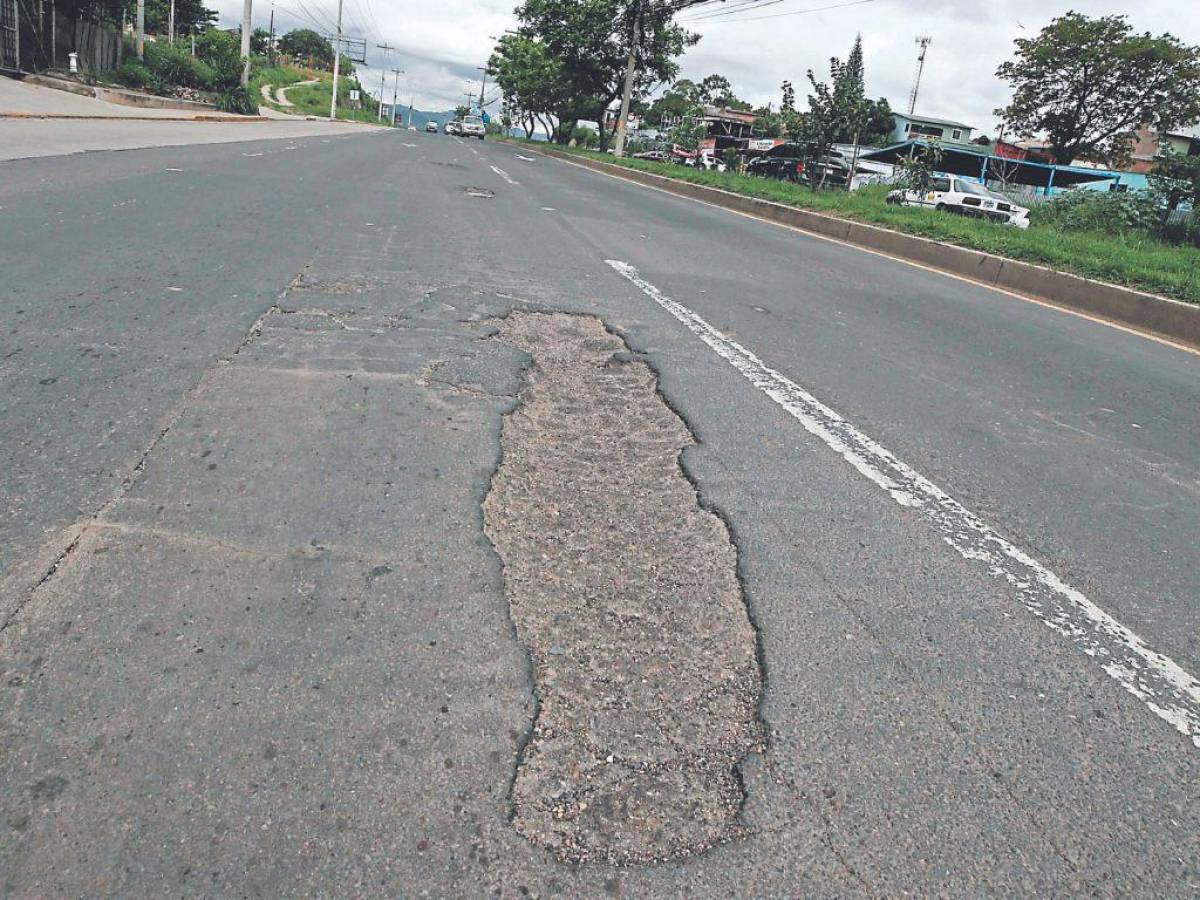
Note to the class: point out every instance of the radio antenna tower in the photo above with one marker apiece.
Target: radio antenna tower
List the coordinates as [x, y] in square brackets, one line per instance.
[922, 42]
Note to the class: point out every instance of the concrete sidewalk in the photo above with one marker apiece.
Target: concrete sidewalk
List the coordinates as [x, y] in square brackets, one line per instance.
[20, 99]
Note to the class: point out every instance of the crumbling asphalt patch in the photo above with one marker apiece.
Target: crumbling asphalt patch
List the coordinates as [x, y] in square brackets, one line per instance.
[625, 593]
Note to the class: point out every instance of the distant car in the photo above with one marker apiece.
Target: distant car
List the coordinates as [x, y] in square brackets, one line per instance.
[431, 127]
[451, 127]
[412, 127]
[472, 126]
[967, 198]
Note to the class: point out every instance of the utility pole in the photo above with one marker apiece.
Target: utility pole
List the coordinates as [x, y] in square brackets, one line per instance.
[635, 16]
[171, 24]
[247, 11]
[337, 59]
[383, 80]
[922, 42]
[141, 28]
[395, 91]
[271, 44]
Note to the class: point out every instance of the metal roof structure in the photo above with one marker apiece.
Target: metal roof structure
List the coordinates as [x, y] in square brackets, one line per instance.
[982, 166]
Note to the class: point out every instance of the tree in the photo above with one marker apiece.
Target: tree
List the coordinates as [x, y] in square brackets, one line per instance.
[532, 81]
[306, 44]
[1089, 83]
[260, 42]
[817, 129]
[916, 171]
[848, 95]
[689, 131]
[879, 125]
[1176, 179]
[685, 95]
[590, 41]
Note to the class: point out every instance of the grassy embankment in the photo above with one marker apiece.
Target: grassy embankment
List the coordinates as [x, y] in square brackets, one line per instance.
[313, 99]
[1135, 259]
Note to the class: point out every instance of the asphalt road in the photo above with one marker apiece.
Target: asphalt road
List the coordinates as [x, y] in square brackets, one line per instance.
[257, 638]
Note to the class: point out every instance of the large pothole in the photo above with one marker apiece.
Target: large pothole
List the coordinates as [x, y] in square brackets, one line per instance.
[625, 593]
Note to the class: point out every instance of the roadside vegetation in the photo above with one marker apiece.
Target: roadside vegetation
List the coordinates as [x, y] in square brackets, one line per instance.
[1059, 237]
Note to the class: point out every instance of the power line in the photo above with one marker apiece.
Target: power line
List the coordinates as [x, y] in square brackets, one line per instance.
[731, 9]
[795, 12]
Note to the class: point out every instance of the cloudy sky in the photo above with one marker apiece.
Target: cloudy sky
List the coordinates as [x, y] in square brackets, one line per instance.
[441, 42]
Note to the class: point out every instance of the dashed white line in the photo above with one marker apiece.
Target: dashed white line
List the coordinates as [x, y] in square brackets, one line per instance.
[526, 158]
[1169, 691]
[504, 175]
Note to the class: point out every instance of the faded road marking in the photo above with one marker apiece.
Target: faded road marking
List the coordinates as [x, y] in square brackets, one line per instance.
[625, 593]
[504, 175]
[1169, 691]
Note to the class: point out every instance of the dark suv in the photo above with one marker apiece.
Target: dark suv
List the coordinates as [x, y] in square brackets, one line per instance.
[790, 162]
[785, 161]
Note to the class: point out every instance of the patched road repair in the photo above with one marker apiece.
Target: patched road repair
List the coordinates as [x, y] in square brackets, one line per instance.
[624, 590]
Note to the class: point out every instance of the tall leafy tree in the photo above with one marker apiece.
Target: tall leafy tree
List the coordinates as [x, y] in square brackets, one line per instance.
[848, 95]
[1089, 83]
[817, 129]
[532, 80]
[306, 44]
[591, 39]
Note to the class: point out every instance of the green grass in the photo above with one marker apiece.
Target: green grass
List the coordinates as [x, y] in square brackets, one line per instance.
[1135, 259]
[313, 100]
[276, 76]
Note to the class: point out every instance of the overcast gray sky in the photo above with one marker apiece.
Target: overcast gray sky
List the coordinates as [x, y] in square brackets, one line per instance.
[441, 42]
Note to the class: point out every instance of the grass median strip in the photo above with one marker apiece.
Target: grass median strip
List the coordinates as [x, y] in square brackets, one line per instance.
[1135, 259]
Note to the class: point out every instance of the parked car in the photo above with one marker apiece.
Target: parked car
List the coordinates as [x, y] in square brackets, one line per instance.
[967, 198]
[792, 162]
[653, 155]
[472, 126]
[431, 127]
[785, 161]
[452, 126]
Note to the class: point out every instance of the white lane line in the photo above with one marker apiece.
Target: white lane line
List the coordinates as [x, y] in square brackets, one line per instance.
[504, 175]
[526, 158]
[1169, 691]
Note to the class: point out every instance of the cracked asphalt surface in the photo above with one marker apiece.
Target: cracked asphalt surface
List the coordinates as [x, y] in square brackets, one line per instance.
[258, 630]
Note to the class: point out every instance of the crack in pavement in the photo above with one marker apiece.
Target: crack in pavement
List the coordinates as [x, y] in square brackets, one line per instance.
[74, 533]
[625, 592]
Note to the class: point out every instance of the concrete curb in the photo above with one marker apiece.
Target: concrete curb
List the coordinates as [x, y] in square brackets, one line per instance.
[1162, 316]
